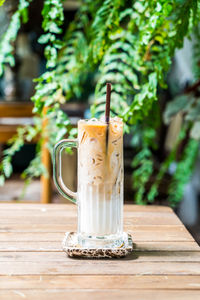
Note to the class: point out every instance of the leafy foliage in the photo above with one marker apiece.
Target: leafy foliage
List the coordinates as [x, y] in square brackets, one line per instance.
[153, 192]
[106, 18]
[116, 67]
[131, 44]
[6, 43]
[183, 172]
[53, 18]
[46, 85]
[153, 31]
[143, 161]
[73, 61]
[27, 133]
[196, 53]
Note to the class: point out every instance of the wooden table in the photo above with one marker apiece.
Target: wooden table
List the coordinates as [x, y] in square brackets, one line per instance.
[164, 265]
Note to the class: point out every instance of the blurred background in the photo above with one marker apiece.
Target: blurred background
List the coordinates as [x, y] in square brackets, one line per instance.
[17, 87]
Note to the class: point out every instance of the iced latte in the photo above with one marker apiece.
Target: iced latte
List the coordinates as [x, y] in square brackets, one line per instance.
[100, 177]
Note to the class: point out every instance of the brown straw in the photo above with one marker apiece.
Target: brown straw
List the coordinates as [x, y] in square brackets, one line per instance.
[108, 93]
[107, 113]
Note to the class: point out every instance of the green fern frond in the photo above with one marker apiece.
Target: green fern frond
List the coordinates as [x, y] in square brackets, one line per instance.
[6, 43]
[159, 35]
[72, 66]
[117, 67]
[24, 134]
[143, 169]
[106, 20]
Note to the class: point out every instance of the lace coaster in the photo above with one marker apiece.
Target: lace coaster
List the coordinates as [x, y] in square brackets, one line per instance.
[73, 249]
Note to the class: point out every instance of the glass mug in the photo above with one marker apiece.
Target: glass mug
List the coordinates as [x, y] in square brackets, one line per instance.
[100, 181]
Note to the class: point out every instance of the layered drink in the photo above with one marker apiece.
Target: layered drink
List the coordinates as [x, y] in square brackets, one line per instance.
[100, 178]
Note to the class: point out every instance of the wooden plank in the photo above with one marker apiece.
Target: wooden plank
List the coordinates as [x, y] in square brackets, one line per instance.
[100, 267]
[166, 246]
[158, 234]
[26, 214]
[33, 246]
[33, 265]
[63, 220]
[132, 215]
[7, 132]
[110, 282]
[11, 213]
[149, 256]
[16, 109]
[139, 232]
[135, 219]
[26, 220]
[49, 227]
[62, 207]
[56, 246]
[36, 207]
[99, 294]
[147, 208]
[34, 236]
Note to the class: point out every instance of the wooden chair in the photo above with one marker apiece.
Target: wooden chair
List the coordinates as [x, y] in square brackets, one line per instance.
[24, 110]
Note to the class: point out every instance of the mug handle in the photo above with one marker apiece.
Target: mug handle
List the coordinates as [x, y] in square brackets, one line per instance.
[57, 168]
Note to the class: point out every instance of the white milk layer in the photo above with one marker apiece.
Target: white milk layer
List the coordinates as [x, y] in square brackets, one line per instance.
[99, 216]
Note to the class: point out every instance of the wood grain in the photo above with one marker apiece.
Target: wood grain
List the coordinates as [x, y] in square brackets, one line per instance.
[138, 235]
[99, 267]
[100, 282]
[138, 247]
[99, 294]
[71, 207]
[16, 109]
[165, 263]
[69, 217]
[60, 256]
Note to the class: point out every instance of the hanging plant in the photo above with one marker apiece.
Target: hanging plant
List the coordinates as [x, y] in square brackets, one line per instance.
[131, 44]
